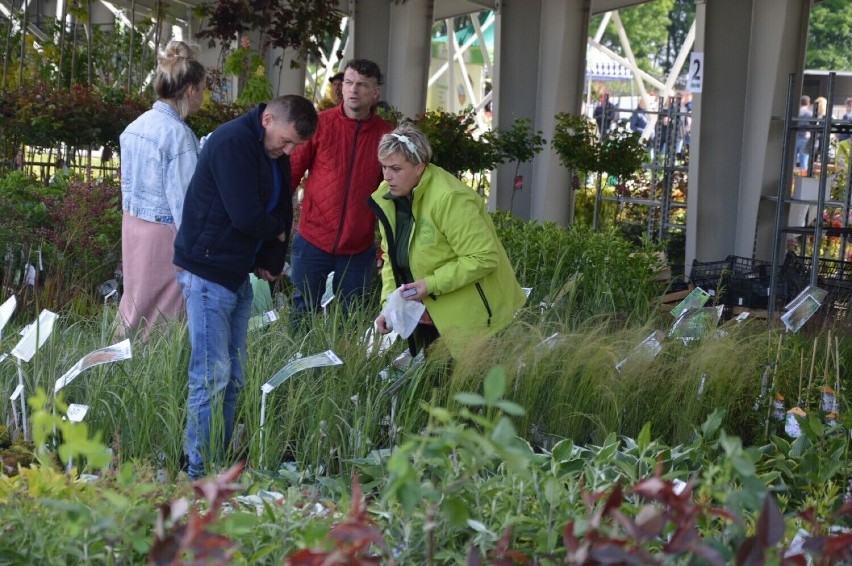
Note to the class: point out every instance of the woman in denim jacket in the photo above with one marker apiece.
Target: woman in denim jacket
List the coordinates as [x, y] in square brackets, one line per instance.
[158, 156]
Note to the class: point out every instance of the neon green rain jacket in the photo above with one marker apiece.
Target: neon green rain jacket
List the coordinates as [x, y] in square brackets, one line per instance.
[454, 247]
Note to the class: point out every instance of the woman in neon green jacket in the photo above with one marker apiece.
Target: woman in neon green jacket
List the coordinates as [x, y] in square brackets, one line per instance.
[441, 246]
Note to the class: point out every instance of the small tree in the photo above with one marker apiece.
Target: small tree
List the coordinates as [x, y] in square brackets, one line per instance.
[455, 148]
[519, 144]
[576, 144]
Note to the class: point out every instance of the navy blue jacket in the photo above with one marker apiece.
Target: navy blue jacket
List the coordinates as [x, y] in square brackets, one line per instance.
[224, 213]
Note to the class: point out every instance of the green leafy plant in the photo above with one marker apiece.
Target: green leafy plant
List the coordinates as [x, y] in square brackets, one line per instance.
[456, 149]
[249, 66]
[575, 142]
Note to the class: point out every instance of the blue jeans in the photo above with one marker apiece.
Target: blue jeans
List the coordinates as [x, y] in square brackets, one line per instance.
[353, 275]
[218, 325]
[802, 156]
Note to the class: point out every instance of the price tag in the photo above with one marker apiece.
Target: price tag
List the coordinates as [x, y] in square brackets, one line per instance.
[76, 412]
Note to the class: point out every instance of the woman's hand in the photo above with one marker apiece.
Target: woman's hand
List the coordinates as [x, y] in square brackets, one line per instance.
[382, 325]
[419, 286]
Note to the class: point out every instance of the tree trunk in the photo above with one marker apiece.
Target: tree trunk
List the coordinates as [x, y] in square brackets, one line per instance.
[130, 44]
[88, 28]
[7, 52]
[62, 33]
[73, 51]
[23, 42]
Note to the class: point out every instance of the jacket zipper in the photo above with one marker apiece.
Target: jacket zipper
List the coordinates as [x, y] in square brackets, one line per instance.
[484, 302]
[215, 240]
[382, 217]
[348, 186]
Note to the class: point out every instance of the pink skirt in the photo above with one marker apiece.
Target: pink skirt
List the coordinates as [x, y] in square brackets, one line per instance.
[151, 294]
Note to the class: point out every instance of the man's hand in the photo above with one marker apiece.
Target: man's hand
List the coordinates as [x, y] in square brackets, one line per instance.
[261, 273]
[382, 325]
[282, 237]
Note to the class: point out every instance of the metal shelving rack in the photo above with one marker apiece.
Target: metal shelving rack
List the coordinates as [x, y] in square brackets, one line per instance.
[661, 171]
[825, 126]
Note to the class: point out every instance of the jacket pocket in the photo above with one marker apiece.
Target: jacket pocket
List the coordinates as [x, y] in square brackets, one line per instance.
[484, 302]
[216, 239]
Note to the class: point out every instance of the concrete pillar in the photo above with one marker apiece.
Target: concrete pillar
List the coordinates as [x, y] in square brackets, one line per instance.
[750, 47]
[369, 32]
[408, 56]
[517, 29]
[723, 34]
[562, 59]
[779, 38]
[553, 33]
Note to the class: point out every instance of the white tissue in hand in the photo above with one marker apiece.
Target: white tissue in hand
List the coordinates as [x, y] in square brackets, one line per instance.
[402, 315]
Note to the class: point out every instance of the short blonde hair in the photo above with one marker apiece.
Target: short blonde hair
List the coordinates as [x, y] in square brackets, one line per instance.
[408, 141]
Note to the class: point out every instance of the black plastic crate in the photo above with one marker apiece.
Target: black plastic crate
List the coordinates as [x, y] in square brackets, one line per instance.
[794, 276]
[747, 282]
[708, 274]
[739, 281]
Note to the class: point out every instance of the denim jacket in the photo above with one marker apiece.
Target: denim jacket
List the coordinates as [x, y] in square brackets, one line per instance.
[158, 156]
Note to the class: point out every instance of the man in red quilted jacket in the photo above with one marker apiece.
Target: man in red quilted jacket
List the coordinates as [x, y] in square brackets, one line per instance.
[341, 169]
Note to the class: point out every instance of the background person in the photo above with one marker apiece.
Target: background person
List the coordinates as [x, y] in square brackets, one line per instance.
[336, 228]
[238, 217]
[439, 239]
[336, 82]
[158, 156]
[803, 137]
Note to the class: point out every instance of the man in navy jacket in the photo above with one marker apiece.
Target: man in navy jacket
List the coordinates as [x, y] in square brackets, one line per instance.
[236, 219]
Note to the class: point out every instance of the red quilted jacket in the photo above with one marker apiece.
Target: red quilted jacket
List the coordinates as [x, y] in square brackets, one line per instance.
[343, 170]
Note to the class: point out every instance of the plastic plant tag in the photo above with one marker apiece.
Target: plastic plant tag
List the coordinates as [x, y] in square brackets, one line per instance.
[400, 364]
[527, 291]
[108, 289]
[114, 353]
[646, 349]
[17, 392]
[695, 299]
[261, 320]
[377, 344]
[694, 323]
[778, 407]
[327, 358]
[803, 307]
[791, 425]
[35, 336]
[76, 412]
[6, 310]
[551, 341]
[328, 296]
[701, 385]
[829, 400]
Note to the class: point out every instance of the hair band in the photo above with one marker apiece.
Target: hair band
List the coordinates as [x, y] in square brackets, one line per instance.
[408, 143]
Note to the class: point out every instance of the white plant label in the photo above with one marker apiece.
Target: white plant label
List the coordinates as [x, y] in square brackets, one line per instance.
[17, 392]
[6, 310]
[76, 412]
[114, 353]
[35, 336]
[327, 358]
[261, 320]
